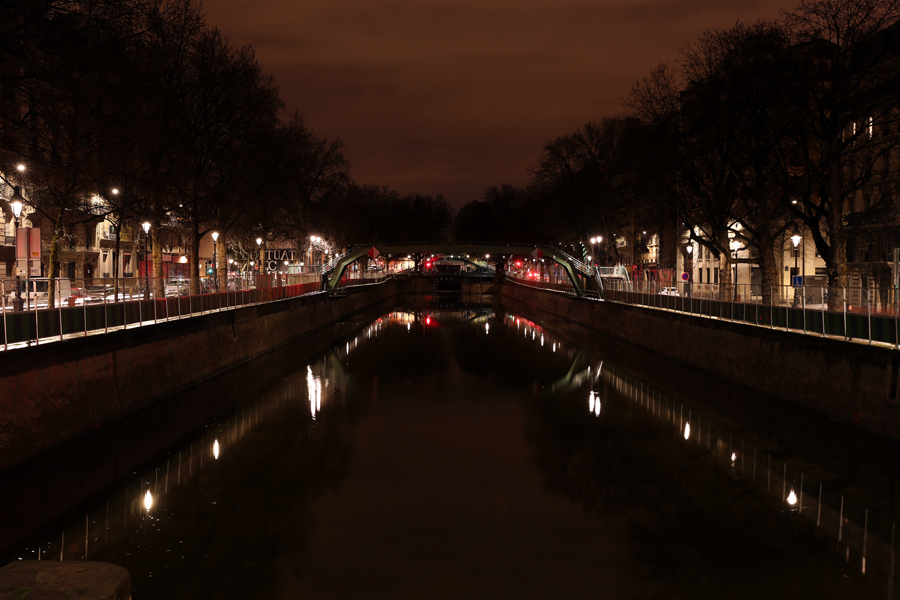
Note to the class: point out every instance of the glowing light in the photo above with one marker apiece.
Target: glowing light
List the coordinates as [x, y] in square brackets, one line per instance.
[115, 191]
[216, 449]
[407, 326]
[687, 431]
[733, 456]
[148, 500]
[20, 167]
[314, 387]
[542, 340]
[591, 401]
[487, 327]
[792, 498]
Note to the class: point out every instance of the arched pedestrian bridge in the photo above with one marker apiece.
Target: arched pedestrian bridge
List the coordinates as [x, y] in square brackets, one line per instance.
[576, 270]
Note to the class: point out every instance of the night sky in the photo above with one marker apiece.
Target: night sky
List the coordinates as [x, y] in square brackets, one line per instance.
[453, 96]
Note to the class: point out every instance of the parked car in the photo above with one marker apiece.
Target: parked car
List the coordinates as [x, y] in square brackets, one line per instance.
[669, 291]
[35, 290]
[177, 287]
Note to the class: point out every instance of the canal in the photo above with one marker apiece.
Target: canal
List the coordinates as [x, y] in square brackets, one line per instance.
[466, 452]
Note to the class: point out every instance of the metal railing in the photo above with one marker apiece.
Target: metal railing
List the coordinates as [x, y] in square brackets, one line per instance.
[870, 315]
[88, 306]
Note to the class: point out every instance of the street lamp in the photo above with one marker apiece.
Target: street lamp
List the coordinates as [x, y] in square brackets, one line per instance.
[795, 240]
[215, 237]
[690, 269]
[259, 252]
[146, 227]
[16, 203]
[734, 245]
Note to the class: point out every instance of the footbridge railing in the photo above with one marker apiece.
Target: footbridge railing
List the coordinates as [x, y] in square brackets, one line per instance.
[578, 272]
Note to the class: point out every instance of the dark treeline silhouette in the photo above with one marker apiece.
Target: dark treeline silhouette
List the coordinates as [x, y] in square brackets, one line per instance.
[139, 110]
[756, 132]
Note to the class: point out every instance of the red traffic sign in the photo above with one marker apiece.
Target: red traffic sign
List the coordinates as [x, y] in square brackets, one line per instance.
[374, 253]
[537, 253]
[685, 276]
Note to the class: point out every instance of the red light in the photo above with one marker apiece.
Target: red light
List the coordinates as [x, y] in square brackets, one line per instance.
[428, 320]
[518, 263]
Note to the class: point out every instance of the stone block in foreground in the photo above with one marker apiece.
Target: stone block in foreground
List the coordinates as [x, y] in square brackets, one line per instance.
[66, 580]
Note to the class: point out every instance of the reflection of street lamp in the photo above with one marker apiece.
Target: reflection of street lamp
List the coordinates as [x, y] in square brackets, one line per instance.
[146, 226]
[16, 203]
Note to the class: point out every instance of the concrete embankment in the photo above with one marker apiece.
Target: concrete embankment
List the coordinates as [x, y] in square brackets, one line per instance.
[56, 392]
[849, 382]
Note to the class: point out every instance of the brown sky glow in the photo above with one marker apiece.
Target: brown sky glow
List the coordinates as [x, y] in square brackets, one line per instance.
[451, 97]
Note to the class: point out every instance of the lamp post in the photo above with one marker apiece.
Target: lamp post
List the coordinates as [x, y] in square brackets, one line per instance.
[690, 269]
[16, 203]
[259, 254]
[734, 245]
[215, 237]
[146, 227]
[594, 242]
[795, 240]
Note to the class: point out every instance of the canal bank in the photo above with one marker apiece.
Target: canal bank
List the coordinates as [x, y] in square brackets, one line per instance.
[56, 392]
[848, 382]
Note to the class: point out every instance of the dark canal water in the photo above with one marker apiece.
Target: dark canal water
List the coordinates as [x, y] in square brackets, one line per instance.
[467, 453]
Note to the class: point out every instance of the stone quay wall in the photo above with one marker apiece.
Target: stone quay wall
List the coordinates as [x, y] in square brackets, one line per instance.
[849, 382]
[55, 392]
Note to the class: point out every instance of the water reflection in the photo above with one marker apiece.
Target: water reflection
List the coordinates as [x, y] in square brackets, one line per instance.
[694, 514]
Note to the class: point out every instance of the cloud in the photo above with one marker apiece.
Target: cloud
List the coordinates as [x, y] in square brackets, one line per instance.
[669, 11]
[454, 96]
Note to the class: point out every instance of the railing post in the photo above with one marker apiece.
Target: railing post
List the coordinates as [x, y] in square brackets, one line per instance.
[84, 304]
[59, 300]
[846, 333]
[37, 324]
[787, 316]
[823, 314]
[869, 307]
[803, 301]
[5, 324]
[105, 316]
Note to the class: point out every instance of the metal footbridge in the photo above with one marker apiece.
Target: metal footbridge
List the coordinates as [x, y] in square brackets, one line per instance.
[576, 270]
